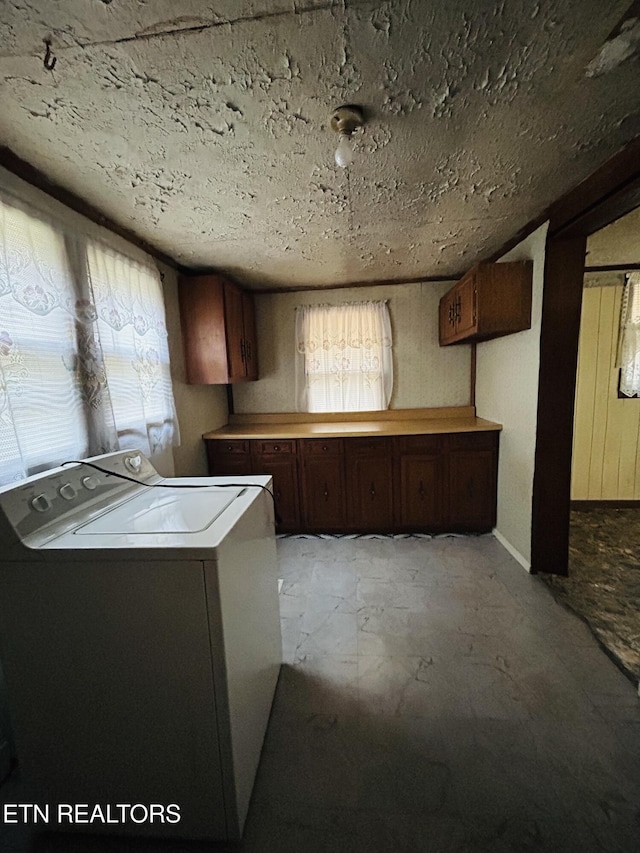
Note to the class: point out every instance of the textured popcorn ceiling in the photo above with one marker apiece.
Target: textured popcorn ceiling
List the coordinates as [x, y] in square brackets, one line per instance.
[207, 132]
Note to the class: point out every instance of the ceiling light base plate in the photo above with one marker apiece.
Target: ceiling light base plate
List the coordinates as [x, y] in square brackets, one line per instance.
[347, 119]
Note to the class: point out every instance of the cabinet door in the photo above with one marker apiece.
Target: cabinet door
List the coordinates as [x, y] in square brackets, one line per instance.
[420, 492]
[235, 331]
[370, 484]
[203, 329]
[249, 336]
[472, 482]
[322, 484]
[447, 317]
[284, 470]
[466, 305]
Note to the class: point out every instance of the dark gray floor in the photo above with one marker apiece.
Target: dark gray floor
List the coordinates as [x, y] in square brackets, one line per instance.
[435, 697]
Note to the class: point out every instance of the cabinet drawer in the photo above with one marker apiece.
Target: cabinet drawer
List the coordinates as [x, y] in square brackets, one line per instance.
[419, 443]
[472, 440]
[369, 446]
[274, 447]
[228, 447]
[321, 446]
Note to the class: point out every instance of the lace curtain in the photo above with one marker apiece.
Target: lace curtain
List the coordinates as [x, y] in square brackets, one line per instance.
[84, 365]
[629, 340]
[344, 361]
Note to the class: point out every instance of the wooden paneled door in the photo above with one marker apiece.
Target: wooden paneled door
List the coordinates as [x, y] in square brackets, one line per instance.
[278, 458]
[322, 484]
[472, 474]
[369, 475]
[420, 483]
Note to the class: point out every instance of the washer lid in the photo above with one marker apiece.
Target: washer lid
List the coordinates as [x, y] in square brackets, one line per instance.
[164, 511]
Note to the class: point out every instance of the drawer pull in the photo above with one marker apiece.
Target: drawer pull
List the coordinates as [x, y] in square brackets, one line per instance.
[276, 447]
[373, 490]
[229, 447]
[324, 447]
[326, 492]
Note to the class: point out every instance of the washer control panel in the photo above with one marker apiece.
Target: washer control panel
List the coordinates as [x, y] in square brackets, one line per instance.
[67, 496]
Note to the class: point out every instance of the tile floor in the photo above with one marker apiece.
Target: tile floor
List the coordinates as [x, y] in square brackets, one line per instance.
[434, 698]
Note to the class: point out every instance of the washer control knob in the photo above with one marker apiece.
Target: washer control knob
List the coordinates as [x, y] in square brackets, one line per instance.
[133, 463]
[90, 483]
[67, 492]
[40, 503]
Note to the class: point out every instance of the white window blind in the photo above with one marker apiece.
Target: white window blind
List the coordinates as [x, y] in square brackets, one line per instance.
[41, 410]
[344, 360]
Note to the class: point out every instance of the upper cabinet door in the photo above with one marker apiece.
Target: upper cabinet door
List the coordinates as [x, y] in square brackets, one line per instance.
[235, 332]
[249, 333]
[215, 315]
[465, 307]
[203, 329]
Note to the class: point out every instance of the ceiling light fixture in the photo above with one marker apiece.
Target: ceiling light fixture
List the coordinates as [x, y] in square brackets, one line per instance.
[345, 120]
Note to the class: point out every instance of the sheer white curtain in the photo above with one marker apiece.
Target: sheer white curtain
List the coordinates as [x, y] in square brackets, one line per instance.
[130, 331]
[42, 413]
[629, 341]
[344, 359]
[84, 365]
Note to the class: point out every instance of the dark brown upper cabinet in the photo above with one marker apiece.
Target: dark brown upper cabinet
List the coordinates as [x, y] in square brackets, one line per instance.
[491, 300]
[218, 329]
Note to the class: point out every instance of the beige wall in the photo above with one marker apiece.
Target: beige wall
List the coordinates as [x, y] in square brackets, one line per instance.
[200, 408]
[425, 375]
[606, 439]
[507, 392]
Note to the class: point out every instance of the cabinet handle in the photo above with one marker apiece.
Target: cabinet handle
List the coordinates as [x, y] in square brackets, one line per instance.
[247, 349]
[278, 494]
[475, 304]
[243, 351]
[451, 315]
[326, 492]
[373, 490]
[458, 308]
[421, 489]
[276, 447]
[229, 447]
[324, 447]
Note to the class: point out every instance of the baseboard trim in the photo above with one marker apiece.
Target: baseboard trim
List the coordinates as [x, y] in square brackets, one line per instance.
[585, 506]
[526, 565]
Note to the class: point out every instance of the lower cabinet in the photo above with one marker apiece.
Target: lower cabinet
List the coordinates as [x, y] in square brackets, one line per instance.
[419, 483]
[322, 487]
[420, 492]
[279, 459]
[473, 474]
[369, 478]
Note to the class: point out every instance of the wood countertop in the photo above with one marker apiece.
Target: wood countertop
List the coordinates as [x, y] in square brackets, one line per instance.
[363, 428]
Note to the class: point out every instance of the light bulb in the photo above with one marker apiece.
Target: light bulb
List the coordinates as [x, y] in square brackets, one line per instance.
[344, 151]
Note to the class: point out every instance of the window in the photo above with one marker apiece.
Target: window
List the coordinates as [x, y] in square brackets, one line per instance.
[84, 365]
[41, 411]
[629, 340]
[344, 359]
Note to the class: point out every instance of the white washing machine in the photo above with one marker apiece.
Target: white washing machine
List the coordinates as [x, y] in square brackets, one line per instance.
[140, 639]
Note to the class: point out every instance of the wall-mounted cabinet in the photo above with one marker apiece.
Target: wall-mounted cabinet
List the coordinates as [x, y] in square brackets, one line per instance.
[218, 329]
[491, 300]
